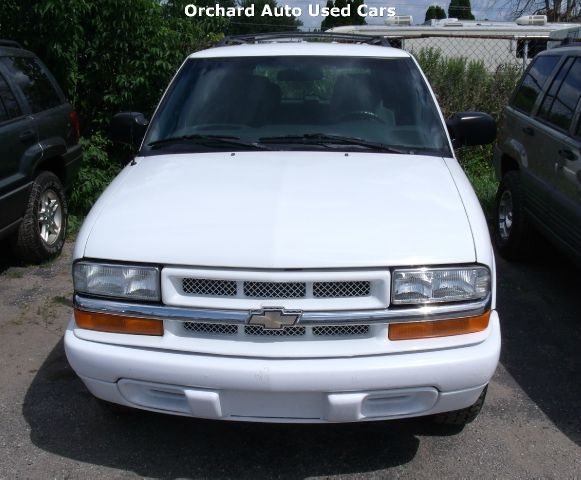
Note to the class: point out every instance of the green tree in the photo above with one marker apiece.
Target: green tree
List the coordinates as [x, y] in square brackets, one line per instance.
[353, 19]
[435, 12]
[261, 24]
[460, 9]
[109, 55]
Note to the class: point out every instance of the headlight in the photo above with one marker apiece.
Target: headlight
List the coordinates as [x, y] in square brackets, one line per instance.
[120, 281]
[437, 285]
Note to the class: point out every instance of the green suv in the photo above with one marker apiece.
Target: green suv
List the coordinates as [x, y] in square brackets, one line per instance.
[39, 155]
[538, 157]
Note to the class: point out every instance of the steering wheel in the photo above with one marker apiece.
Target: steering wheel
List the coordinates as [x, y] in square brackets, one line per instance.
[363, 114]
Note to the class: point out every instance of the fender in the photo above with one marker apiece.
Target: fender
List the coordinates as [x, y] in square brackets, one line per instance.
[53, 147]
[45, 149]
[32, 156]
[511, 148]
[516, 150]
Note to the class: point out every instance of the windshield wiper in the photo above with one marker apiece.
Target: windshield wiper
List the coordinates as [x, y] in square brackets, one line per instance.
[209, 140]
[325, 139]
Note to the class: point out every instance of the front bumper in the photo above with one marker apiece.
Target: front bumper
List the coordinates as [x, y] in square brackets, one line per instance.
[287, 390]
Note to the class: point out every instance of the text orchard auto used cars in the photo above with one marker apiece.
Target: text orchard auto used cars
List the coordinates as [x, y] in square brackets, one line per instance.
[314, 10]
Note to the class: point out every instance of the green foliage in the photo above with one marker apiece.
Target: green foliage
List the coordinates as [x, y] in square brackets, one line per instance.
[260, 24]
[109, 55]
[435, 12]
[477, 163]
[95, 174]
[460, 9]
[352, 19]
[464, 85]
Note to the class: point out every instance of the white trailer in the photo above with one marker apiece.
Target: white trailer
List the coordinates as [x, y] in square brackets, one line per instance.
[494, 43]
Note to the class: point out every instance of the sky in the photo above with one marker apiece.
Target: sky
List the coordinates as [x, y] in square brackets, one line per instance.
[490, 9]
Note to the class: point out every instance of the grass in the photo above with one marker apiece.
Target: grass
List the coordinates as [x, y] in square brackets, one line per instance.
[477, 163]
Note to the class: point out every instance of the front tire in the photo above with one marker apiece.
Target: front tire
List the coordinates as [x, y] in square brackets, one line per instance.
[41, 234]
[511, 225]
[114, 408]
[464, 416]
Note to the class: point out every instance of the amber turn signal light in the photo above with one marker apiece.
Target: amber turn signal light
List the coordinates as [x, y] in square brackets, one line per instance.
[103, 322]
[438, 328]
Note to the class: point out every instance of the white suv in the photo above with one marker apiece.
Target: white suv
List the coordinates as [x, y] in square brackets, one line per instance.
[294, 242]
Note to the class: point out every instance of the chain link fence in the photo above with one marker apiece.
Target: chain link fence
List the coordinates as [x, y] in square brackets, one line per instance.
[470, 72]
[493, 51]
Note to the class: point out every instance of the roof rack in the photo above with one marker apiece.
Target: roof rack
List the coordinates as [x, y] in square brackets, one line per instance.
[10, 43]
[303, 36]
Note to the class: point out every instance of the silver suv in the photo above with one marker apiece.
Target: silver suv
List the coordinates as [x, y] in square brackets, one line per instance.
[537, 157]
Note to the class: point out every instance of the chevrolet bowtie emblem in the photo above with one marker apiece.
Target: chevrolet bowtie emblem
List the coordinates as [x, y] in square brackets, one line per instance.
[274, 318]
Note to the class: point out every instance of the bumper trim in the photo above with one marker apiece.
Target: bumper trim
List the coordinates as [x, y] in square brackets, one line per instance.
[322, 407]
[241, 317]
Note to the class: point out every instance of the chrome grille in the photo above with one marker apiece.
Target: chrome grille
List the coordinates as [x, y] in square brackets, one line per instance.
[208, 328]
[211, 328]
[257, 330]
[275, 289]
[341, 330]
[341, 289]
[206, 287]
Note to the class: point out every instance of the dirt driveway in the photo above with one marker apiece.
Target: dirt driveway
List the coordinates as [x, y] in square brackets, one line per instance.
[50, 427]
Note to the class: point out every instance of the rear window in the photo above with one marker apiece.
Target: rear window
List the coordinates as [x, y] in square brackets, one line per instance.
[33, 81]
[533, 82]
[8, 105]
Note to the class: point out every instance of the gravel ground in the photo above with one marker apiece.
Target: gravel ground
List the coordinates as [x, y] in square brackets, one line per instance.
[50, 427]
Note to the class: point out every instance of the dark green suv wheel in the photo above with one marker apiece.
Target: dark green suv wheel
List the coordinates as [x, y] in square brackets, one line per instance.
[42, 232]
[511, 226]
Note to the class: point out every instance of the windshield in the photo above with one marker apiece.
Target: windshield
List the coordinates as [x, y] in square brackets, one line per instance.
[297, 102]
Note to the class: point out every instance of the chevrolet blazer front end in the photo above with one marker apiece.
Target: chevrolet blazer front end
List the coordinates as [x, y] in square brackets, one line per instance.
[289, 246]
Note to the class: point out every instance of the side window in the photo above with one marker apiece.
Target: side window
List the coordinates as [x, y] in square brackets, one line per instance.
[33, 82]
[8, 105]
[561, 101]
[533, 82]
[545, 107]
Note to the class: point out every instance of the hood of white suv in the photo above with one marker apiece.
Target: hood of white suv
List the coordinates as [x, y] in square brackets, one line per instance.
[281, 210]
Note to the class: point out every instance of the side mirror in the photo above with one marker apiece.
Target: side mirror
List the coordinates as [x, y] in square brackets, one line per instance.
[471, 128]
[128, 128]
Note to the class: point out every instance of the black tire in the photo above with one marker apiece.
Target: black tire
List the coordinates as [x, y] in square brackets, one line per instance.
[28, 244]
[114, 408]
[513, 243]
[464, 416]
